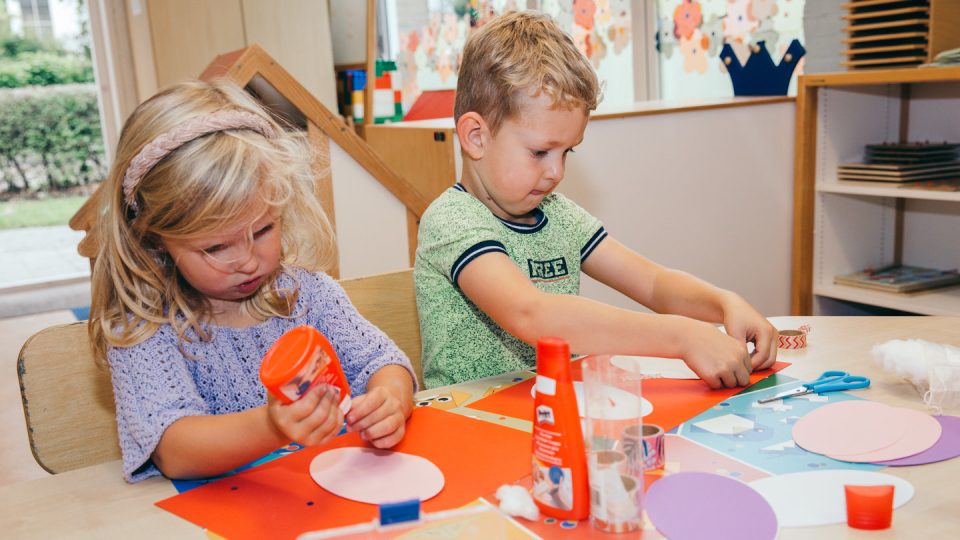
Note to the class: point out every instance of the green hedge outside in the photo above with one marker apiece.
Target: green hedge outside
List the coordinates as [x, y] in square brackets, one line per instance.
[44, 69]
[50, 138]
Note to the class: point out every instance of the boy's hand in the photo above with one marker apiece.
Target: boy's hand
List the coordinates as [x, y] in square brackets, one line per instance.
[746, 324]
[312, 420]
[720, 360]
[378, 416]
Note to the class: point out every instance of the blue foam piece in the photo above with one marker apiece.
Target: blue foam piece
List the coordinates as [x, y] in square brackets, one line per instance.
[399, 512]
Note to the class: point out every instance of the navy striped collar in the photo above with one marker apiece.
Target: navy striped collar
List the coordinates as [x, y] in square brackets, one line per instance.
[522, 228]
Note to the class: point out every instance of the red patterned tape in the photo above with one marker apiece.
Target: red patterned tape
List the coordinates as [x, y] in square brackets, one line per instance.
[793, 339]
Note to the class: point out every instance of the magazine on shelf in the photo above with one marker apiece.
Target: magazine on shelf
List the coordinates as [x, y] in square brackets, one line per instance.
[899, 278]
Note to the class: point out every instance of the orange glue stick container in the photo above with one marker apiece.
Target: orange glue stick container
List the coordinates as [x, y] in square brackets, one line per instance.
[560, 486]
[301, 359]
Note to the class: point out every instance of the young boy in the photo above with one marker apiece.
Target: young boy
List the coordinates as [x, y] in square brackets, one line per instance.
[500, 254]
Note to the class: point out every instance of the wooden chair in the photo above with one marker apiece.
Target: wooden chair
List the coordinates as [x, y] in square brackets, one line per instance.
[68, 400]
[389, 302]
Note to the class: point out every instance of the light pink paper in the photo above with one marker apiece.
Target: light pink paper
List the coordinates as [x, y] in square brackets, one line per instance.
[376, 476]
[849, 428]
[921, 432]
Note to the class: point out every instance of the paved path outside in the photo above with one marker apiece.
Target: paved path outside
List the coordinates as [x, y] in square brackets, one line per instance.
[40, 270]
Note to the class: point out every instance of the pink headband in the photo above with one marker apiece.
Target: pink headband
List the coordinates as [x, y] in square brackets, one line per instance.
[163, 144]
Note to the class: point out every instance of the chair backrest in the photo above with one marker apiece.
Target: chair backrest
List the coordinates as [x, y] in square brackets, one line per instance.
[68, 400]
[390, 303]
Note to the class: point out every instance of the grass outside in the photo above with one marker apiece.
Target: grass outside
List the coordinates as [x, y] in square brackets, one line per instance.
[39, 213]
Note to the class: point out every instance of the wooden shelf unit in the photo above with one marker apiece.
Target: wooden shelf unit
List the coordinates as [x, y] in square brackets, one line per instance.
[899, 33]
[841, 226]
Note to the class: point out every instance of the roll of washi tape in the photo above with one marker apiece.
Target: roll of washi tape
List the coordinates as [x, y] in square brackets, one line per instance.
[793, 339]
[647, 440]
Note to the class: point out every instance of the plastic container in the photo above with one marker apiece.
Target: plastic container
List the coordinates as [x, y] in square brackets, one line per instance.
[869, 507]
[560, 487]
[299, 360]
[613, 403]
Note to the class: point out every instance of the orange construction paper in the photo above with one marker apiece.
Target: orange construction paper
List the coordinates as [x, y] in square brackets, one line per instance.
[674, 400]
[279, 499]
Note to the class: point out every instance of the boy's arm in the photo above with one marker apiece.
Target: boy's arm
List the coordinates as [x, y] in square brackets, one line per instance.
[498, 287]
[671, 291]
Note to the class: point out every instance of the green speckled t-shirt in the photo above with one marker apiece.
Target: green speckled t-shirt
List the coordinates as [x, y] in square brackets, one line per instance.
[460, 342]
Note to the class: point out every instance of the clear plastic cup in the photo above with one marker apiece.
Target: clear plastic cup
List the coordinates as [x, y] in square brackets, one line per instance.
[613, 405]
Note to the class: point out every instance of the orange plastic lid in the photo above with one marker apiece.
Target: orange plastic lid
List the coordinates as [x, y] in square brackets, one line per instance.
[286, 356]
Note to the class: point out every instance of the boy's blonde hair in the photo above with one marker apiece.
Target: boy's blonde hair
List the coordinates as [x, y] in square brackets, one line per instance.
[520, 54]
[193, 191]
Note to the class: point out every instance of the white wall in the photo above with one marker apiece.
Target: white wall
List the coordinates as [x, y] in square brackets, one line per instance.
[371, 222]
[709, 192]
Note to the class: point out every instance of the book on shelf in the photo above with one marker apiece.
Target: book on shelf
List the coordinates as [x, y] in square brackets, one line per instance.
[899, 278]
[903, 163]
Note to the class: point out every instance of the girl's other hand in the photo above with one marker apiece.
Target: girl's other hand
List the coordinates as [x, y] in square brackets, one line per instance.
[379, 418]
[312, 420]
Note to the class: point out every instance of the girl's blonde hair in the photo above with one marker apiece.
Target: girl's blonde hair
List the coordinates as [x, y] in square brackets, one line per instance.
[521, 54]
[193, 191]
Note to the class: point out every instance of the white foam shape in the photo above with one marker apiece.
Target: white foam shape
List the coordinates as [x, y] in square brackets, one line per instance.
[728, 424]
[778, 405]
[654, 367]
[817, 497]
[617, 404]
[780, 447]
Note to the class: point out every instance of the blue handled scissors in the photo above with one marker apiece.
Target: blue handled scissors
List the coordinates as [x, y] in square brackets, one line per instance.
[830, 381]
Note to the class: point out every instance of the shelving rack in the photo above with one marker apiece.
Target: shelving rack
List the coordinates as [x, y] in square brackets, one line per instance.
[841, 226]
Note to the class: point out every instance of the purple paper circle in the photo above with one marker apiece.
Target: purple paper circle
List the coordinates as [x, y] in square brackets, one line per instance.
[703, 505]
[946, 447]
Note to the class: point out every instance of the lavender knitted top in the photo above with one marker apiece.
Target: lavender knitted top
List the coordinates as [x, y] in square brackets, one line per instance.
[154, 384]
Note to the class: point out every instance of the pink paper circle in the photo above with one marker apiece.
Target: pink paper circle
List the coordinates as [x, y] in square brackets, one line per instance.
[375, 476]
[922, 431]
[849, 428]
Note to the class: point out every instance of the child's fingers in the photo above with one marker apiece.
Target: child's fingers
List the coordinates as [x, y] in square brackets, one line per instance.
[362, 423]
[322, 418]
[363, 405]
[327, 430]
[771, 356]
[766, 347]
[387, 433]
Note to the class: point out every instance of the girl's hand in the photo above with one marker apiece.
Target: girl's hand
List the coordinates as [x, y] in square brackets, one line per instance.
[378, 416]
[312, 420]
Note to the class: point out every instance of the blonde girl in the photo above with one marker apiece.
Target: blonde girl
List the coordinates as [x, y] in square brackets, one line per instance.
[212, 245]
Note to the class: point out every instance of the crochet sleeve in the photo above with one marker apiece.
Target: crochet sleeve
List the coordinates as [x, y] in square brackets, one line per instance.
[152, 388]
[362, 347]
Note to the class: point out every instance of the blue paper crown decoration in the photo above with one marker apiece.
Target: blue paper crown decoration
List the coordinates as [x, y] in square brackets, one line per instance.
[760, 76]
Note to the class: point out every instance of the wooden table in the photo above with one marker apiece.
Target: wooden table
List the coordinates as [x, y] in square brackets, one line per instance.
[95, 502]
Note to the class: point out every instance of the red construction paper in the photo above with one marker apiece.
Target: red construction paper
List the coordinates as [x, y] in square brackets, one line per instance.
[432, 104]
[674, 400]
[279, 499]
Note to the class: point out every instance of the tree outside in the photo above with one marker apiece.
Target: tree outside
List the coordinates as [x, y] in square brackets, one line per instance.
[51, 146]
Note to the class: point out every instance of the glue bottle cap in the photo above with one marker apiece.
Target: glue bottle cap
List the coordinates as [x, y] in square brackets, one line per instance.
[553, 358]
